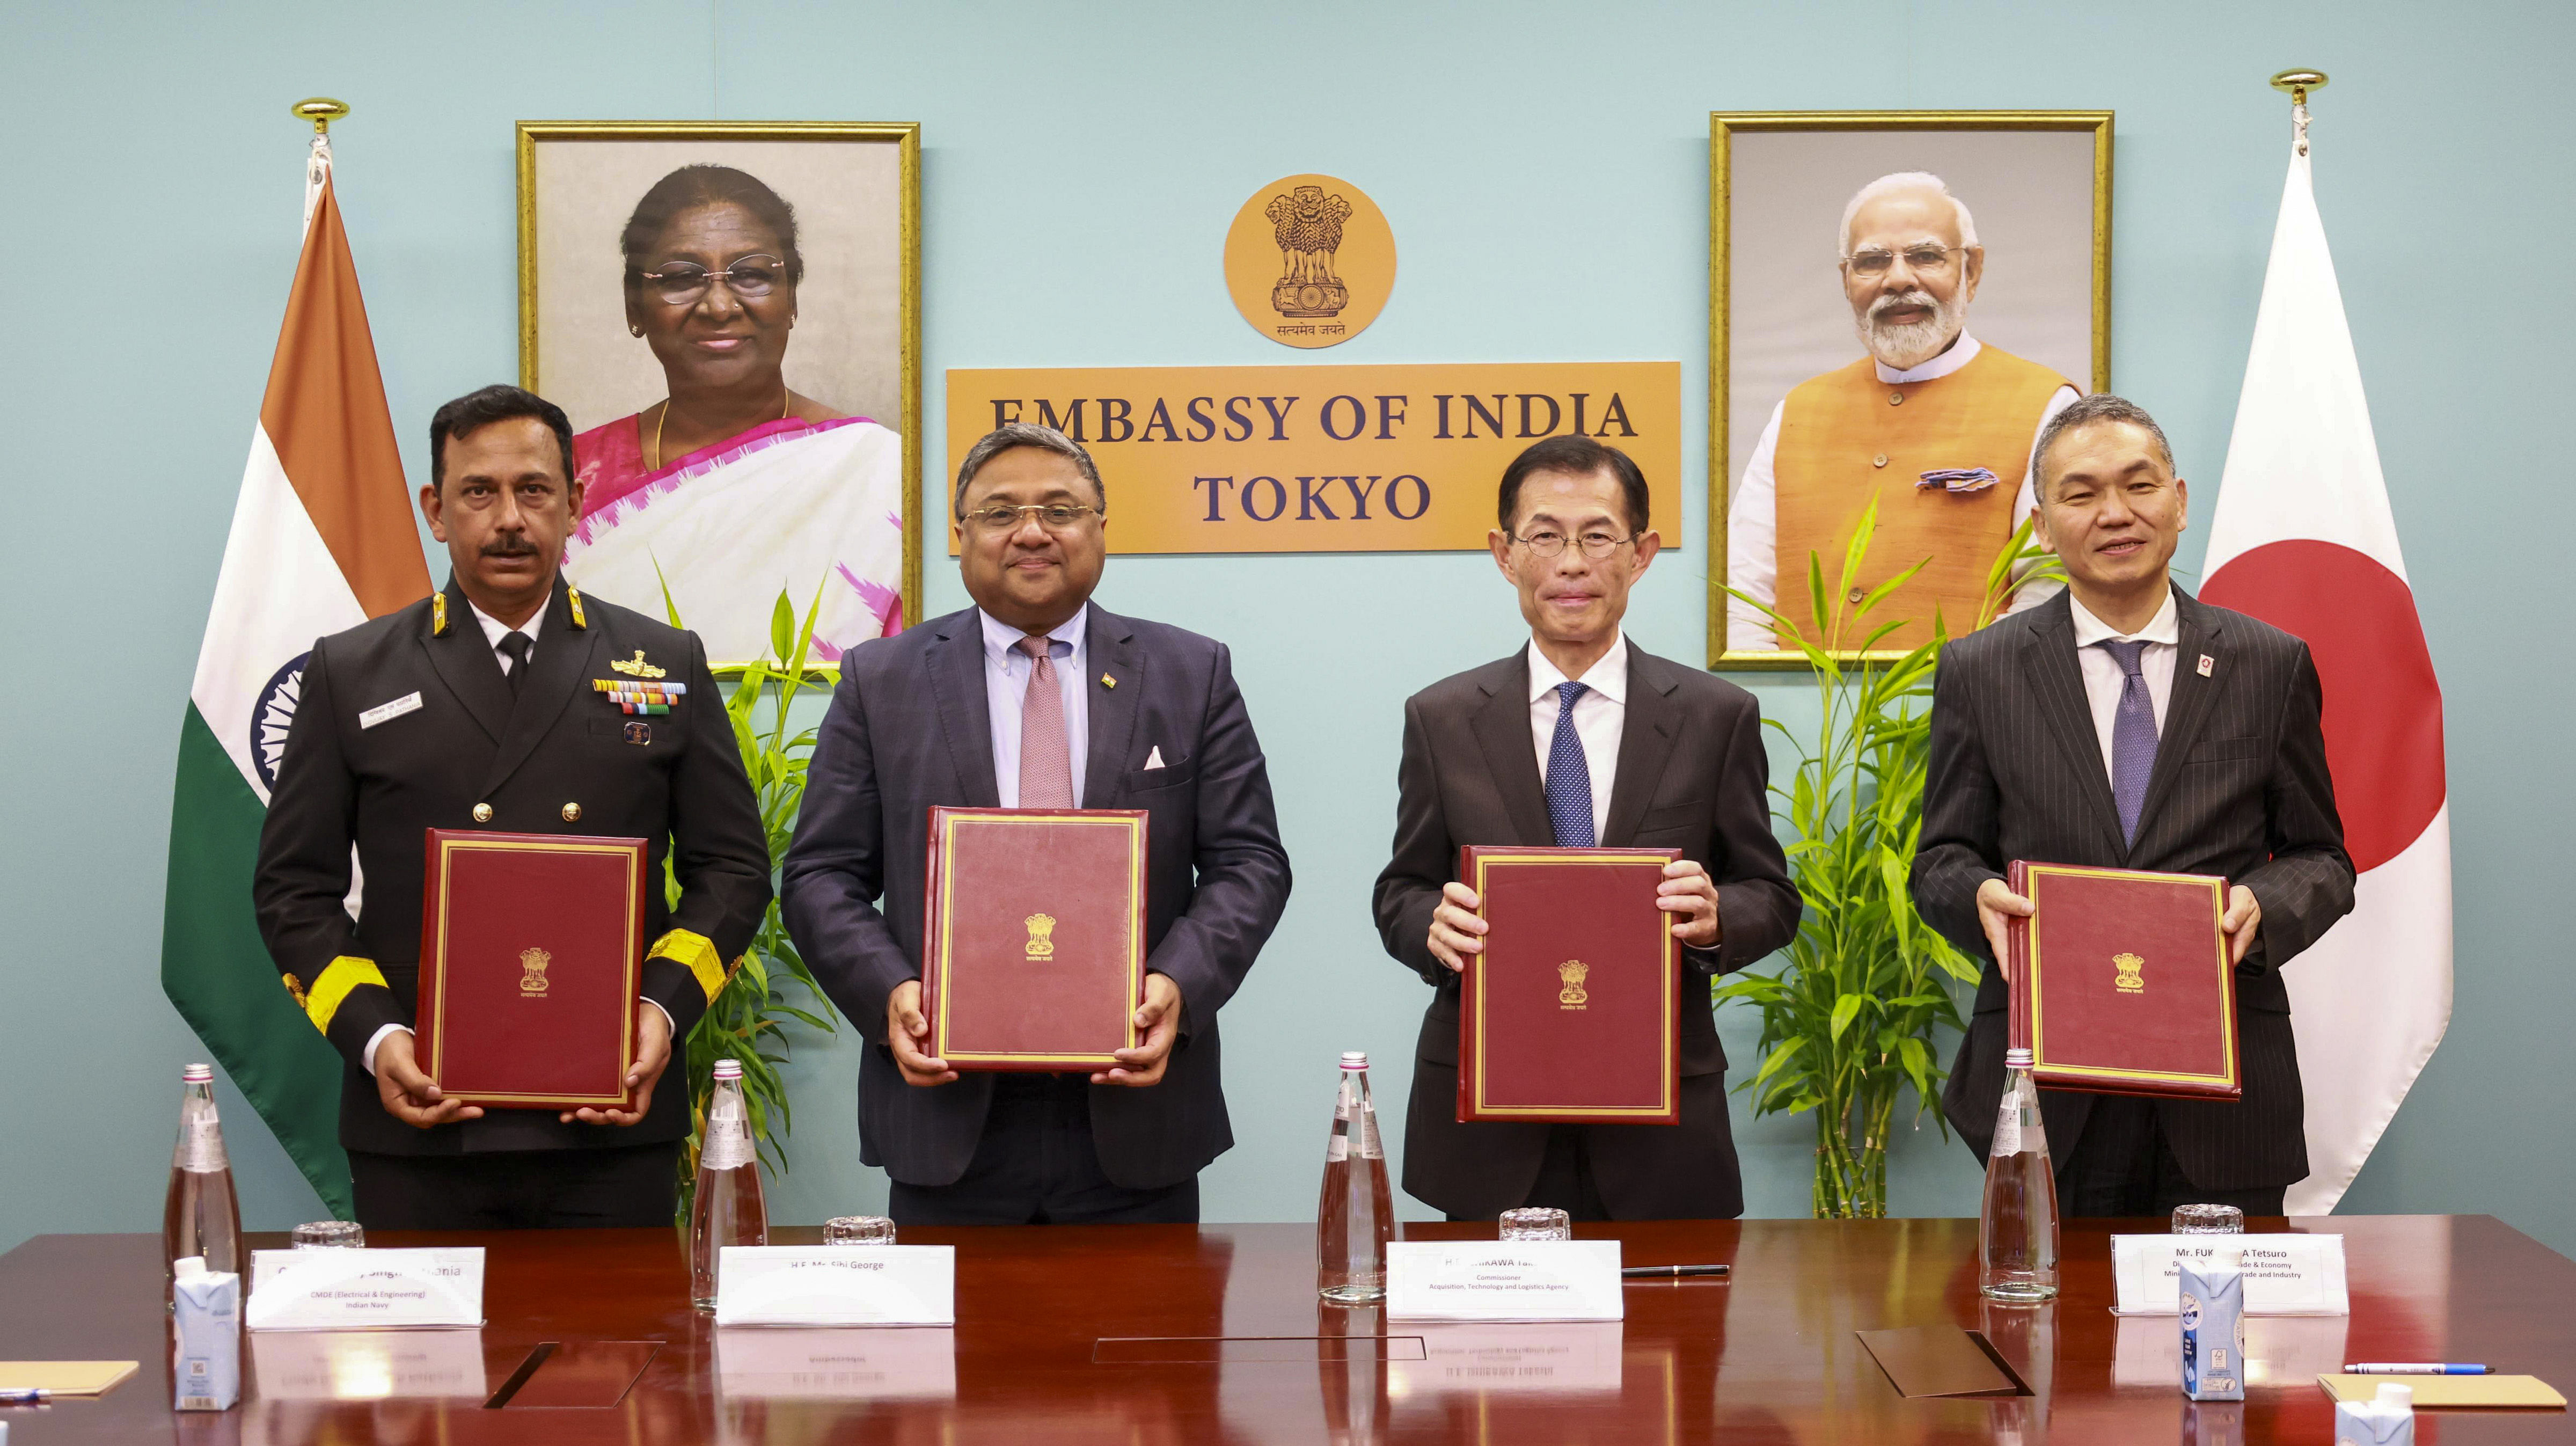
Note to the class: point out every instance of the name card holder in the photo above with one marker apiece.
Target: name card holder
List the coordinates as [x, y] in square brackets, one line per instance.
[338, 1290]
[1520, 1280]
[836, 1285]
[2284, 1274]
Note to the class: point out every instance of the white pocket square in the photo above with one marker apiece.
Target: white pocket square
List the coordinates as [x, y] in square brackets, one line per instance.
[1155, 758]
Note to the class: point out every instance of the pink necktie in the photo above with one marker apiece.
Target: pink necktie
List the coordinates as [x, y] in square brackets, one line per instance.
[1046, 763]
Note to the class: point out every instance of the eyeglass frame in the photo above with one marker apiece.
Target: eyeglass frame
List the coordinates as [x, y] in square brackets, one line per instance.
[1020, 513]
[1907, 253]
[706, 279]
[1580, 545]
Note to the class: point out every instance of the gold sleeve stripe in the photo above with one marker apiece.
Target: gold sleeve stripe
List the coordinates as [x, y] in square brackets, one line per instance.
[342, 975]
[696, 951]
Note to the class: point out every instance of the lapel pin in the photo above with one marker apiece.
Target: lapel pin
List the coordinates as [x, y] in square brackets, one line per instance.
[2206, 663]
[1107, 681]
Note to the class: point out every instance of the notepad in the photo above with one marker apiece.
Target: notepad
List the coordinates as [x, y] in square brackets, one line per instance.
[64, 1378]
[2449, 1390]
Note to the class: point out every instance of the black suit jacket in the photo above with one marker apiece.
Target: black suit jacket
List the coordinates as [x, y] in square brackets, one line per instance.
[1691, 776]
[380, 787]
[2240, 788]
[909, 729]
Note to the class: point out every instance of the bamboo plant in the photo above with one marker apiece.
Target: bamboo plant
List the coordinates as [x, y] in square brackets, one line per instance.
[1850, 1018]
[744, 1021]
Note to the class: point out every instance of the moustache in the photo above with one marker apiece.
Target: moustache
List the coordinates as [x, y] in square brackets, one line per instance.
[509, 547]
[1886, 304]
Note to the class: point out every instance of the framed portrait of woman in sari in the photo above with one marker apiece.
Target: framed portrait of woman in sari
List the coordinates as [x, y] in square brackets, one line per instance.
[730, 313]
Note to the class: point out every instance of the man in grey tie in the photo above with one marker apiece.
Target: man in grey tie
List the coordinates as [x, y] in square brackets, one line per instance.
[2124, 724]
[1637, 752]
[1037, 697]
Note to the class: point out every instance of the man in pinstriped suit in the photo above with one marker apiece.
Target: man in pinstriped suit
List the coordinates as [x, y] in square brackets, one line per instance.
[2124, 724]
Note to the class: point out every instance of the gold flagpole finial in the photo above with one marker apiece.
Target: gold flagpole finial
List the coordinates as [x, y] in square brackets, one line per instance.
[2297, 84]
[319, 109]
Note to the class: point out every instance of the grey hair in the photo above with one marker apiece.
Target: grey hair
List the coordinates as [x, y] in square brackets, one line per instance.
[2084, 411]
[1025, 434]
[1904, 181]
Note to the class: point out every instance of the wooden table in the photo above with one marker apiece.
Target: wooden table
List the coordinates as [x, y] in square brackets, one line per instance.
[1142, 1335]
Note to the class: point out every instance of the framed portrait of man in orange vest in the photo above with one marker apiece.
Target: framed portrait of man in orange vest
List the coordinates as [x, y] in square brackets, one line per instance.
[1898, 301]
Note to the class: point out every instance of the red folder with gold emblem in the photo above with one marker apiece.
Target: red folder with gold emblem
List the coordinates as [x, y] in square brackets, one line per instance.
[1571, 1013]
[2121, 982]
[531, 955]
[1033, 939]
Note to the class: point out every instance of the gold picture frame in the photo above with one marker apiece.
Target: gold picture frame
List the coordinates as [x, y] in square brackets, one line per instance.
[726, 142]
[1730, 441]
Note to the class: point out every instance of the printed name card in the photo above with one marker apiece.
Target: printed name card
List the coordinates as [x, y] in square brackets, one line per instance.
[836, 1285]
[338, 1290]
[2284, 1274]
[1520, 1280]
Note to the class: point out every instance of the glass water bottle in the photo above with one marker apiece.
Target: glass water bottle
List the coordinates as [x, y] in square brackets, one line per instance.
[2017, 1234]
[201, 1216]
[1356, 1216]
[726, 1208]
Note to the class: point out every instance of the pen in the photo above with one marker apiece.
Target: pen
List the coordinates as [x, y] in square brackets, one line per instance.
[2418, 1368]
[34, 1397]
[1669, 1272]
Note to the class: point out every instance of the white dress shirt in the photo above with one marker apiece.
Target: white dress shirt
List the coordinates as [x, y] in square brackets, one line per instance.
[2103, 679]
[1006, 686]
[1753, 513]
[1600, 716]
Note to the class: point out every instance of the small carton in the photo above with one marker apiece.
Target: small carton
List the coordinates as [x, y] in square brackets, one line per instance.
[2386, 1421]
[2213, 1331]
[206, 1314]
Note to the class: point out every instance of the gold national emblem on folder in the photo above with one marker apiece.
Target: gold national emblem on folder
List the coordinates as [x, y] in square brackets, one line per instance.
[1573, 972]
[532, 971]
[1041, 936]
[2128, 966]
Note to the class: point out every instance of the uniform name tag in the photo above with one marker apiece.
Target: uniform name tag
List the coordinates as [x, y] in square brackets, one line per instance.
[409, 702]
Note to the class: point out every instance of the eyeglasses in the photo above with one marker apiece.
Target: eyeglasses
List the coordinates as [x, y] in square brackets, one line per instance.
[1875, 262]
[1595, 545]
[1053, 516]
[683, 282]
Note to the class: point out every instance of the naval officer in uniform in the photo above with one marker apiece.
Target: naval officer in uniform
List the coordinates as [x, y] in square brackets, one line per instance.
[476, 708]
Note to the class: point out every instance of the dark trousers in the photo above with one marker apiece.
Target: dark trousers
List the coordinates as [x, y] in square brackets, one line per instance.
[1564, 1178]
[1037, 1165]
[518, 1189]
[2123, 1165]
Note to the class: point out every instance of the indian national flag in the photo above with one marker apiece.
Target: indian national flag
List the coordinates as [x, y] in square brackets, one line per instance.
[322, 539]
[2304, 539]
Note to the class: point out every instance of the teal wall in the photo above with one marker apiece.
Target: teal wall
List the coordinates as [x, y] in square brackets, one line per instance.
[1544, 167]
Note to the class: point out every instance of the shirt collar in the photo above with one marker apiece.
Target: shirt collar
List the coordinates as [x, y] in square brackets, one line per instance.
[1961, 352]
[2163, 628]
[1001, 639]
[494, 630]
[1608, 675]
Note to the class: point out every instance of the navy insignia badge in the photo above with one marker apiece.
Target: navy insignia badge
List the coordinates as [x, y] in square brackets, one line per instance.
[573, 594]
[639, 732]
[636, 667]
[438, 615]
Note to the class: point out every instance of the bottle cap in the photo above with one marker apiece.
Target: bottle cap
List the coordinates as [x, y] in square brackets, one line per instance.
[728, 1069]
[2393, 1394]
[1354, 1059]
[2016, 1059]
[197, 1074]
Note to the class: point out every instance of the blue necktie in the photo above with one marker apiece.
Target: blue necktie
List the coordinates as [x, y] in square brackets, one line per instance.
[2133, 736]
[1569, 778]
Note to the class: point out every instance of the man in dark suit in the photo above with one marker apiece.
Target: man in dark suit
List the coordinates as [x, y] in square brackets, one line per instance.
[2125, 725]
[1037, 698]
[474, 708]
[1639, 753]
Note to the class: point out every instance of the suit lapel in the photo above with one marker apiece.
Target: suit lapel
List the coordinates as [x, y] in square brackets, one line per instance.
[956, 664]
[2057, 682]
[1109, 650]
[1502, 729]
[1646, 738]
[2187, 707]
[464, 660]
[563, 658]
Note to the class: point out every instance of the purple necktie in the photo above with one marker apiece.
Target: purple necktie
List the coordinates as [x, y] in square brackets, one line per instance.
[2133, 736]
[1569, 776]
[1046, 762]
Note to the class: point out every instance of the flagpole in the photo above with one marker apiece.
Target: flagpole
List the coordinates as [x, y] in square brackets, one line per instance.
[321, 110]
[2296, 84]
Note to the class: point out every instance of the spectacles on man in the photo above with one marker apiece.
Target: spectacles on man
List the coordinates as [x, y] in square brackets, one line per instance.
[1875, 262]
[1053, 516]
[1595, 545]
[682, 282]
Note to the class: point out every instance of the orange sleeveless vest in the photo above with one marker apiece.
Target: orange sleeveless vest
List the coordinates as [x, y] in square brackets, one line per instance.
[1846, 437]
